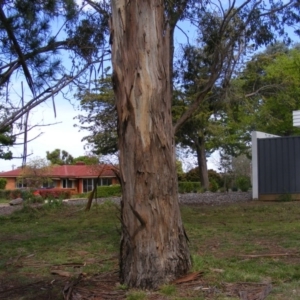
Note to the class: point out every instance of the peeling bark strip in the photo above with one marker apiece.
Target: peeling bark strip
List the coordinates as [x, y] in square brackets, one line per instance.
[153, 247]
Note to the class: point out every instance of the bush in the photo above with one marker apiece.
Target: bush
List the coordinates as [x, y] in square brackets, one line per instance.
[234, 189]
[216, 177]
[3, 183]
[243, 183]
[213, 186]
[109, 191]
[54, 203]
[55, 193]
[26, 194]
[193, 175]
[189, 187]
[5, 194]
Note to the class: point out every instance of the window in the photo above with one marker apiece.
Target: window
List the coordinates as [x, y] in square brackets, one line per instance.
[88, 184]
[67, 183]
[48, 184]
[106, 181]
[20, 184]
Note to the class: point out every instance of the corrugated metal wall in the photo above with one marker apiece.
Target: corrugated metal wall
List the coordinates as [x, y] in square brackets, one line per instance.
[279, 165]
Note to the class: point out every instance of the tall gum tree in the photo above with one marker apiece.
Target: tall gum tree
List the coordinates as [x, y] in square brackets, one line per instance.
[154, 247]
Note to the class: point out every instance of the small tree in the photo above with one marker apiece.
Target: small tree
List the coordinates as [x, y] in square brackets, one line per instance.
[36, 173]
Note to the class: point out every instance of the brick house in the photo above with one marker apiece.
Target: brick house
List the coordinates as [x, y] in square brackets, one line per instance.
[80, 177]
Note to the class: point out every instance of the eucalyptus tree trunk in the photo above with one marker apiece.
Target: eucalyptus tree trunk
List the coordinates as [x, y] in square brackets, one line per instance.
[153, 245]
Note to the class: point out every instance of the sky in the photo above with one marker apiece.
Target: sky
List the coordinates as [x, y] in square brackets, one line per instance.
[64, 135]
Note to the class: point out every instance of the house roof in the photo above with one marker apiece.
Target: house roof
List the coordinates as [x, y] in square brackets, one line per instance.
[70, 171]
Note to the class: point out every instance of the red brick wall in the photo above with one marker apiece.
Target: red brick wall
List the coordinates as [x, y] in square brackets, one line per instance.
[115, 181]
[11, 184]
[80, 186]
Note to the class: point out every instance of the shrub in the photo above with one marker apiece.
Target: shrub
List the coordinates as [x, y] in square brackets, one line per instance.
[215, 176]
[243, 183]
[54, 203]
[109, 191]
[193, 175]
[5, 194]
[189, 187]
[55, 193]
[26, 194]
[3, 183]
[213, 186]
[286, 197]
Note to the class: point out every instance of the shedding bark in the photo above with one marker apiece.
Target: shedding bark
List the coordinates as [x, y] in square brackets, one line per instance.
[154, 248]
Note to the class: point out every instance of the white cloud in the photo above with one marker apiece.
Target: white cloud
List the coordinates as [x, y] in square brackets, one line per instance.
[63, 135]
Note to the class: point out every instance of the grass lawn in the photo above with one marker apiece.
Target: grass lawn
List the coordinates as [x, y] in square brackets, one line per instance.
[4, 201]
[53, 253]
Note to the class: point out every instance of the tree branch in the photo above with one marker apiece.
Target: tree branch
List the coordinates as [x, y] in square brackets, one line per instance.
[18, 50]
[8, 121]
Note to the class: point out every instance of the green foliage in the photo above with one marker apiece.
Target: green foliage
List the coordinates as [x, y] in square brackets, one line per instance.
[287, 197]
[136, 295]
[100, 117]
[53, 203]
[270, 81]
[189, 187]
[215, 176]
[193, 176]
[109, 191]
[7, 139]
[3, 182]
[87, 160]
[25, 194]
[17, 193]
[59, 157]
[5, 194]
[243, 183]
[234, 188]
[44, 44]
[179, 170]
[168, 289]
[213, 186]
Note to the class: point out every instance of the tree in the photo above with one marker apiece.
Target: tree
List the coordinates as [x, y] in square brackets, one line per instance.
[36, 173]
[153, 245]
[87, 160]
[59, 157]
[6, 140]
[267, 91]
[100, 119]
[33, 37]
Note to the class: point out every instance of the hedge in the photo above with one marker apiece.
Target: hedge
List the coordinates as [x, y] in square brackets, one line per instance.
[109, 191]
[5, 194]
[189, 187]
[55, 193]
